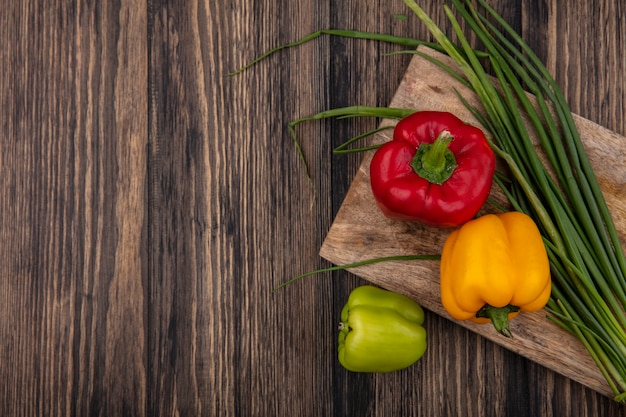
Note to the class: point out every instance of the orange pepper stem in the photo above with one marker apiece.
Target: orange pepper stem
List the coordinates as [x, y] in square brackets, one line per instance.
[499, 317]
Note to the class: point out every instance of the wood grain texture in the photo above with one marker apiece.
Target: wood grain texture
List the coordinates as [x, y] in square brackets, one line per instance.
[150, 205]
[74, 136]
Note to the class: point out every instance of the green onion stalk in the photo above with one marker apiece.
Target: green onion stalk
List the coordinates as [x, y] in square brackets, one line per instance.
[562, 194]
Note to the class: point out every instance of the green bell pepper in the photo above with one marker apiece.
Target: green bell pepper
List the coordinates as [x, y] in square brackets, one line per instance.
[380, 331]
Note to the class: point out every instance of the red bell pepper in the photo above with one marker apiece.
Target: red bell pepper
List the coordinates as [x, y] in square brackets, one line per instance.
[437, 170]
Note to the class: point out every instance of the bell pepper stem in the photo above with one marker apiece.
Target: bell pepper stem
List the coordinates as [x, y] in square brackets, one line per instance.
[434, 161]
[499, 317]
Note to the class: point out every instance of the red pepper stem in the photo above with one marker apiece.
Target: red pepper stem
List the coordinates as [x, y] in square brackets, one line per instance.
[499, 317]
[434, 161]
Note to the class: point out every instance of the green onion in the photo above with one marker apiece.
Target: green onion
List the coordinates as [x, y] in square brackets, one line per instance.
[562, 194]
[361, 263]
[355, 34]
[342, 113]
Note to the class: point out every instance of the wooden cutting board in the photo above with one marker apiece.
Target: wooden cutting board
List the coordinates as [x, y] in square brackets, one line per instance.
[360, 232]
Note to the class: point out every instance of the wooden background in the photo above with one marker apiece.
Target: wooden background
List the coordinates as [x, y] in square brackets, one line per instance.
[149, 205]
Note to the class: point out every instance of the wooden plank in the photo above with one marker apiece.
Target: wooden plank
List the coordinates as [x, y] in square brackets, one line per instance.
[361, 232]
[72, 208]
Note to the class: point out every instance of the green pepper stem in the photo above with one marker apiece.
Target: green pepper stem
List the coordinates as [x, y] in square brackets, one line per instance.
[434, 161]
[499, 317]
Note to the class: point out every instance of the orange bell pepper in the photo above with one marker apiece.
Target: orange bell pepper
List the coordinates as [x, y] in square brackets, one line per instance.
[494, 267]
